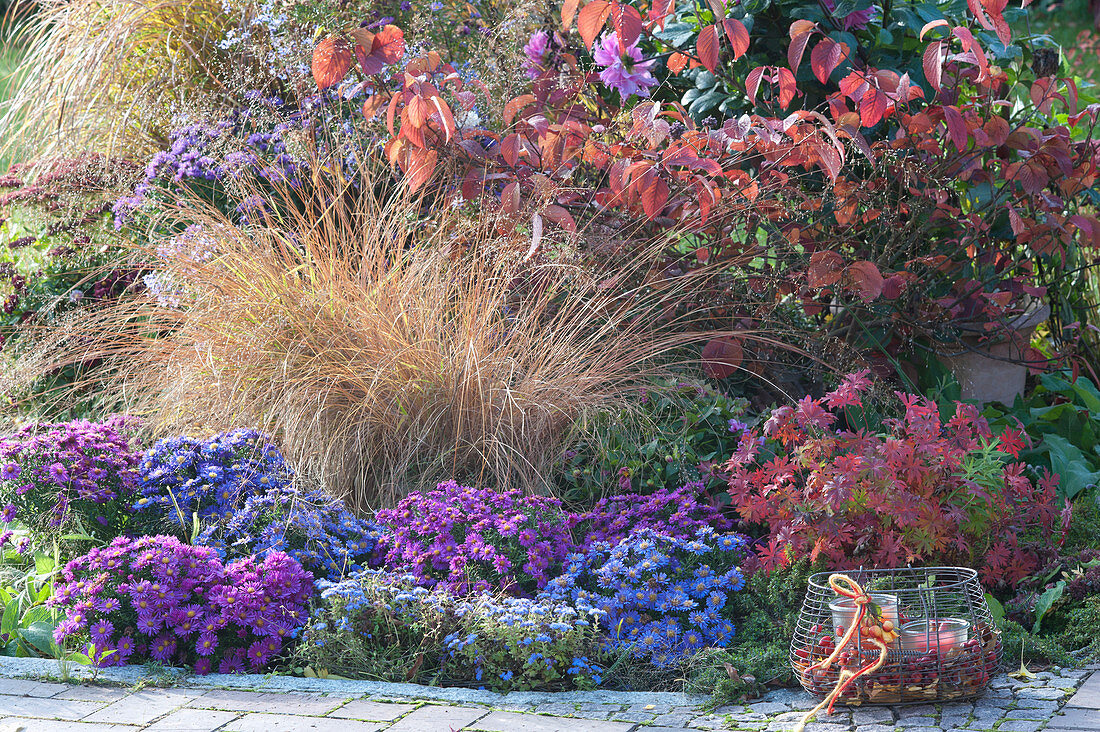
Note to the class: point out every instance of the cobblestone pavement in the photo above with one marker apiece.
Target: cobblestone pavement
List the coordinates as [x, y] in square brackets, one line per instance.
[1060, 701]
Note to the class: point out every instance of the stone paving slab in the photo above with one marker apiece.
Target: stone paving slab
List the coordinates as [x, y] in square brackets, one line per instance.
[1060, 701]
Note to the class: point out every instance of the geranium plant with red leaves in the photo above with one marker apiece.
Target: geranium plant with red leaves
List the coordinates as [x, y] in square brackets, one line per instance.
[926, 491]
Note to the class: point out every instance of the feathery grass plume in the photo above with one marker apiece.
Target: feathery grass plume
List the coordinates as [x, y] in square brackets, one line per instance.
[107, 75]
[383, 354]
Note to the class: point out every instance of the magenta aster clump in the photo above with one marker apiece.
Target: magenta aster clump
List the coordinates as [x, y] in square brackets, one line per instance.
[156, 598]
[679, 513]
[72, 477]
[623, 70]
[474, 539]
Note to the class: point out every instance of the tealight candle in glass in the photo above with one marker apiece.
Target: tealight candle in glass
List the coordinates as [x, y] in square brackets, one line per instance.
[937, 634]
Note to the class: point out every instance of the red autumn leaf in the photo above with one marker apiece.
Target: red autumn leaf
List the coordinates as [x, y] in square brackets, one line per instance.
[418, 166]
[940, 23]
[677, 62]
[509, 197]
[826, 268]
[389, 44]
[591, 19]
[331, 62]
[659, 10]
[864, 279]
[722, 357]
[933, 64]
[971, 45]
[872, 106]
[654, 197]
[514, 106]
[893, 287]
[706, 47]
[561, 217]
[627, 22]
[510, 149]
[738, 36]
[752, 82]
[787, 87]
[386, 47]
[826, 57]
[956, 127]
[798, 45]
[568, 12]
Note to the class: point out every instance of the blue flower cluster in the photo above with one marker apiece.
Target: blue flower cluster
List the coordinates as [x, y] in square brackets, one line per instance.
[313, 527]
[497, 643]
[659, 597]
[181, 476]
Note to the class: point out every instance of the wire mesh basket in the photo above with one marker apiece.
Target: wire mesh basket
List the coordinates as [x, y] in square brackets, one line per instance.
[948, 645]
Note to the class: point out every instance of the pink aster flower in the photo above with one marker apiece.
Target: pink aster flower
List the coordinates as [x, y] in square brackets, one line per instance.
[624, 72]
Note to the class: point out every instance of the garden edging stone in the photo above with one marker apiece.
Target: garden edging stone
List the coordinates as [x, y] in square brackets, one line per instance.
[32, 700]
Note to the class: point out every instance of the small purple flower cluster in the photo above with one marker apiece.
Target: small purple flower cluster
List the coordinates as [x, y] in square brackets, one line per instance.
[202, 157]
[475, 539]
[74, 476]
[183, 475]
[661, 598]
[678, 513]
[157, 598]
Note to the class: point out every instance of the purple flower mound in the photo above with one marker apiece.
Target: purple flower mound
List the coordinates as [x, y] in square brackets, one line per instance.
[155, 598]
[57, 478]
[476, 540]
[677, 513]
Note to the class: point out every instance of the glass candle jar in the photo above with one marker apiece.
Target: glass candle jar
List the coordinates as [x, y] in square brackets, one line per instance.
[844, 611]
[937, 634]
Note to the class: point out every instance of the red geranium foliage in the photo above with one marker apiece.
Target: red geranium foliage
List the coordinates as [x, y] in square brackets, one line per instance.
[924, 491]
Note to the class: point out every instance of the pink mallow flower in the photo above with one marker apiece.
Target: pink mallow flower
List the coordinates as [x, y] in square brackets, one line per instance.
[536, 50]
[625, 72]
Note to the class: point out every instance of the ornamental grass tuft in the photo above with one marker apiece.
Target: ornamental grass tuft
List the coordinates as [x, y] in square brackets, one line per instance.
[385, 353]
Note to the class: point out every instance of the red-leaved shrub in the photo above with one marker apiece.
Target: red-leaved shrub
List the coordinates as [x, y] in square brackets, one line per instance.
[924, 492]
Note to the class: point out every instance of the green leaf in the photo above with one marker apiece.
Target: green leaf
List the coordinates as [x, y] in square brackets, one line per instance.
[1071, 465]
[40, 636]
[996, 609]
[11, 617]
[39, 614]
[1046, 602]
[43, 563]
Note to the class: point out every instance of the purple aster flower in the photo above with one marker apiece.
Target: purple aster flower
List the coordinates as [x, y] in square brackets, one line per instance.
[59, 474]
[7, 515]
[10, 471]
[624, 72]
[737, 425]
[101, 631]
